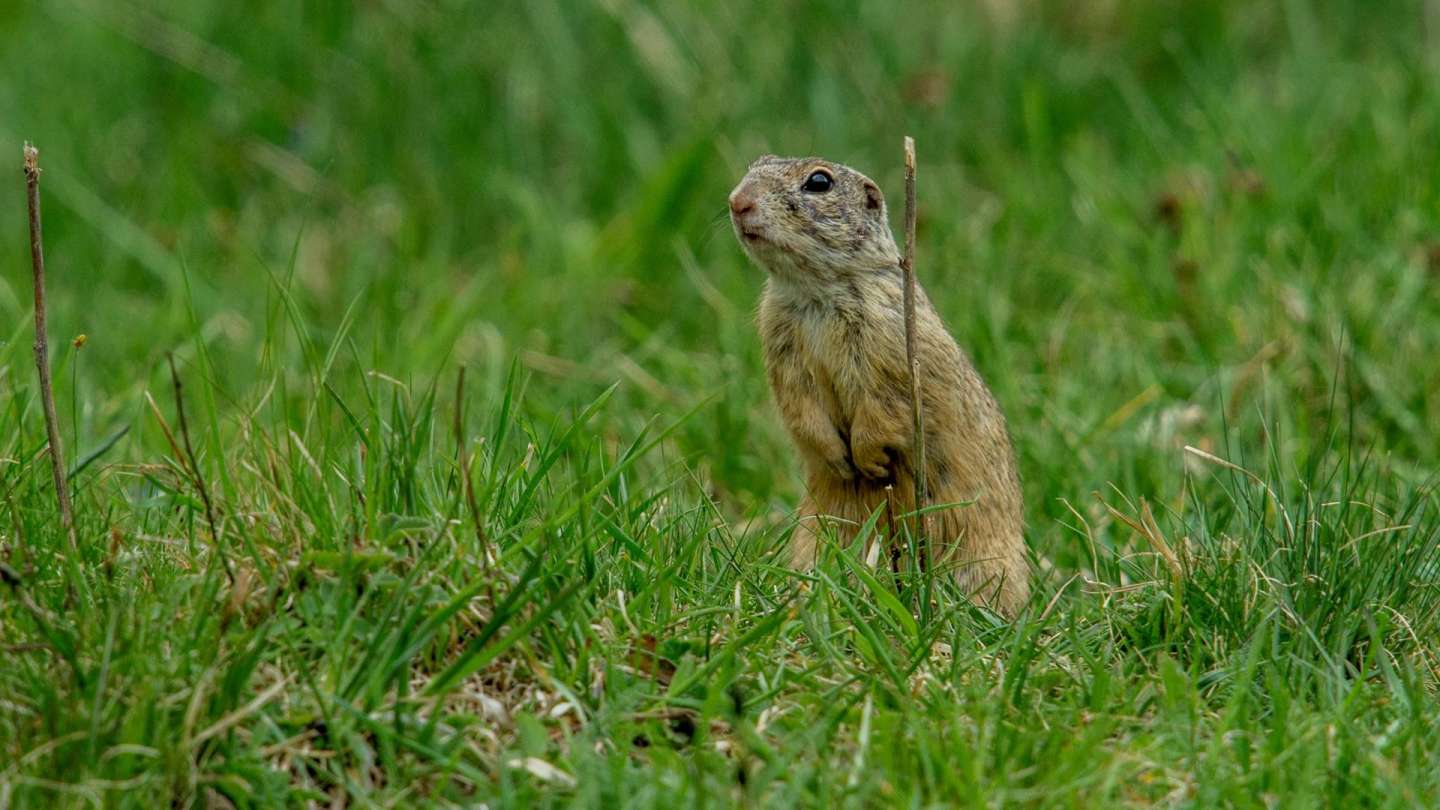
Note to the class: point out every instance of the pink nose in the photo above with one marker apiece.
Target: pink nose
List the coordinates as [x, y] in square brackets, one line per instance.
[741, 202]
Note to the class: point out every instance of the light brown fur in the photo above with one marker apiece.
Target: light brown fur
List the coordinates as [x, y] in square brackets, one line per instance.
[832, 323]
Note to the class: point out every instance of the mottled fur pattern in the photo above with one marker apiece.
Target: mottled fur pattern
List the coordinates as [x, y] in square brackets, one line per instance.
[832, 322]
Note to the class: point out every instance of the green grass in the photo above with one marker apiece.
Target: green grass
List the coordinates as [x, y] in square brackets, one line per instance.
[1154, 225]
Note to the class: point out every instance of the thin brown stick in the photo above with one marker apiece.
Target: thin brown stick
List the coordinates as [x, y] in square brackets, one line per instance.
[169, 434]
[42, 345]
[907, 264]
[195, 470]
[460, 411]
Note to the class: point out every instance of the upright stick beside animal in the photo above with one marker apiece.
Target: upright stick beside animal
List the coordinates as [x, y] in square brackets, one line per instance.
[832, 323]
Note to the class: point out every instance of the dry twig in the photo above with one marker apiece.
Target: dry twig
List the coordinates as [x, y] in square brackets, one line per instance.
[42, 345]
[907, 265]
[195, 475]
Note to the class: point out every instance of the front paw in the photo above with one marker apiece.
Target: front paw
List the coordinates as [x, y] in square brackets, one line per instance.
[873, 461]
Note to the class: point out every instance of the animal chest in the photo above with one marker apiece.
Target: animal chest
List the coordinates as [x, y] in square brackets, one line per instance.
[829, 352]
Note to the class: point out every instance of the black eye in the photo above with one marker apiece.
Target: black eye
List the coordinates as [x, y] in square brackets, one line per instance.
[818, 182]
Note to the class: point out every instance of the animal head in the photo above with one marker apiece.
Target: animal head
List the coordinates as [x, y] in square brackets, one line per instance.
[809, 221]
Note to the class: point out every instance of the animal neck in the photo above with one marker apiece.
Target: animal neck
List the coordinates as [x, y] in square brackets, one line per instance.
[832, 288]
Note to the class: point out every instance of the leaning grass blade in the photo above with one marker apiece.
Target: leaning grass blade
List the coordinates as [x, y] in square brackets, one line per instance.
[900, 617]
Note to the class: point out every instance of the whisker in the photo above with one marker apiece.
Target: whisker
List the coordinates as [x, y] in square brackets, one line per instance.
[713, 228]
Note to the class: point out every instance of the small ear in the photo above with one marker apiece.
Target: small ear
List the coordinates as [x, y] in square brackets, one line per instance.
[874, 200]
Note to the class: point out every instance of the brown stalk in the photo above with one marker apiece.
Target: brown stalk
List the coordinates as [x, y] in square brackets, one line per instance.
[907, 265]
[42, 345]
[194, 466]
[460, 411]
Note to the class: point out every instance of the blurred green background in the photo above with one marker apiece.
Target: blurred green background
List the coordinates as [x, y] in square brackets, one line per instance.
[1147, 221]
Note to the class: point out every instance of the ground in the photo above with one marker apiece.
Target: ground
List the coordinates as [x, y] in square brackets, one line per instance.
[1192, 246]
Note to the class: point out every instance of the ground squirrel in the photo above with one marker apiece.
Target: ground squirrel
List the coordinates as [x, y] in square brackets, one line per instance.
[833, 327]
